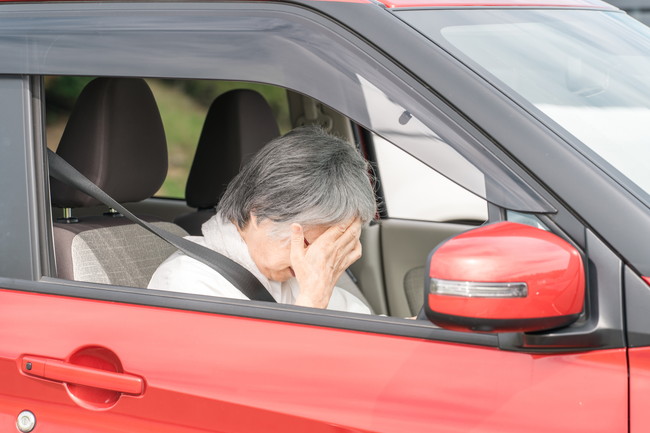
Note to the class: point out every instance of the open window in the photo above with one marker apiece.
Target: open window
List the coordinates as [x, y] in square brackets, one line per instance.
[340, 85]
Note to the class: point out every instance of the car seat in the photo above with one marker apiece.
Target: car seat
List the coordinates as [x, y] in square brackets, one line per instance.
[238, 124]
[114, 137]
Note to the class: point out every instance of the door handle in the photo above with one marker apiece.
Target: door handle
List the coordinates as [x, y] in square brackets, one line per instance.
[62, 371]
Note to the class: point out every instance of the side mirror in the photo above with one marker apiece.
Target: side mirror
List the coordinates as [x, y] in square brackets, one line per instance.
[504, 277]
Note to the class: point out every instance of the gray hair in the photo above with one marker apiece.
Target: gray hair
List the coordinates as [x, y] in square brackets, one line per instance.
[307, 177]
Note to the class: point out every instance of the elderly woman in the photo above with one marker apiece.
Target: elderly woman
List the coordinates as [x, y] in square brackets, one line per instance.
[292, 217]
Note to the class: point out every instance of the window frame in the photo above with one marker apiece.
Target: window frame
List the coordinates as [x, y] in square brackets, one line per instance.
[181, 42]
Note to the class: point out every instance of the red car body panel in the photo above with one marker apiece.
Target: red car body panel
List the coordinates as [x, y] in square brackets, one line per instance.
[639, 389]
[210, 370]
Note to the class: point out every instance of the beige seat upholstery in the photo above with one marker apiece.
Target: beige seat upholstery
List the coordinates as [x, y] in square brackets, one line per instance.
[115, 137]
[110, 250]
[413, 289]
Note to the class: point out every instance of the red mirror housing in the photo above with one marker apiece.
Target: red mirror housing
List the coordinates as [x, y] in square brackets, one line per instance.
[505, 277]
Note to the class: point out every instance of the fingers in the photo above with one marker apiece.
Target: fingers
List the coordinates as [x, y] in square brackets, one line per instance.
[348, 241]
[333, 233]
[352, 232]
[318, 266]
[349, 254]
[345, 251]
[341, 234]
[339, 230]
[297, 243]
[336, 249]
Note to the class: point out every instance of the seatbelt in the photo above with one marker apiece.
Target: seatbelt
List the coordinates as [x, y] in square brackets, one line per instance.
[232, 271]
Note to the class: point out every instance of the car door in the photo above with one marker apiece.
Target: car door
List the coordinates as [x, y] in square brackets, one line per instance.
[636, 295]
[80, 356]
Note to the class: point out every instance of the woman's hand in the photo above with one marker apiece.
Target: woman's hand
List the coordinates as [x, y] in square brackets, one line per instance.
[318, 266]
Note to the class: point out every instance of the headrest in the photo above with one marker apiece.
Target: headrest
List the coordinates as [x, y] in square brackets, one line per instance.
[238, 124]
[115, 137]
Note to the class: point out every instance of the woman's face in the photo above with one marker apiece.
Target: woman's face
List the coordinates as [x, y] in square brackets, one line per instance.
[270, 250]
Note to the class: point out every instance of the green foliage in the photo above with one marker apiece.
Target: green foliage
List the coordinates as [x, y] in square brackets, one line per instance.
[205, 91]
[62, 92]
[183, 105]
[182, 118]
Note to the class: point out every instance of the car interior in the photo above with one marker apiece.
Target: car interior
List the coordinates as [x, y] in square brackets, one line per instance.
[115, 136]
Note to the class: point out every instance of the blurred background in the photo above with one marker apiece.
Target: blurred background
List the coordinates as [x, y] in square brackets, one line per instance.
[639, 9]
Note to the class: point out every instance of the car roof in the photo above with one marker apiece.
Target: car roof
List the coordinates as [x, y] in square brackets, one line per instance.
[421, 4]
[590, 4]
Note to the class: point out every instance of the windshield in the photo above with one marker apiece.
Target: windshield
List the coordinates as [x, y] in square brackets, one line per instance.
[587, 70]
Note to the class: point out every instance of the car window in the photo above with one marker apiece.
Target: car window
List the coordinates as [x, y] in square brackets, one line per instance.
[183, 105]
[412, 190]
[299, 53]
[595, 87]
[308, 59]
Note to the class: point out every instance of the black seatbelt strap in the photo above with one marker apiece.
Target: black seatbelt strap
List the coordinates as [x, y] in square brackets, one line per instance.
[232, 271]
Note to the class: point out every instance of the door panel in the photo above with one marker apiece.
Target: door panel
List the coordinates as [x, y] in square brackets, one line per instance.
[639, 389]
[368, 269]
[234, 374]
[406, 246]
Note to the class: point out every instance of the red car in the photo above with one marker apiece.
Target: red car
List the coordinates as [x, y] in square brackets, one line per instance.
[510, 143]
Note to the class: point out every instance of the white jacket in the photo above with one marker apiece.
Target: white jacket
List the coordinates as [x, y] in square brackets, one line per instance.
[180, 273]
